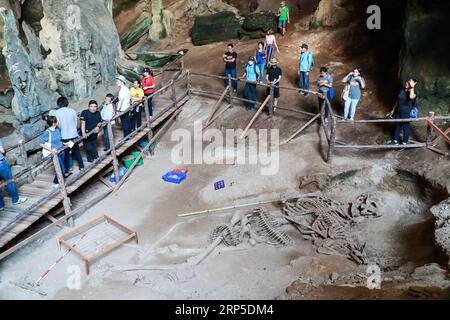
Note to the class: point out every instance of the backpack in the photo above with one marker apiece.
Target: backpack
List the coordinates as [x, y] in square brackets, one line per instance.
[255, 69]
[312, 60]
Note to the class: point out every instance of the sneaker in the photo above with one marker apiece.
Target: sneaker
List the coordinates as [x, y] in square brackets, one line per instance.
[404, 143]
[326, 120]
[55, 186]
[3, 208]
[351, 119]
[21, 200]
[393, 142]
[234, 91]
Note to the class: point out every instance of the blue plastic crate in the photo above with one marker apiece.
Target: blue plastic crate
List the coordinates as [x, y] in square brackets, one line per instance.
[174, 177]
[219, 185]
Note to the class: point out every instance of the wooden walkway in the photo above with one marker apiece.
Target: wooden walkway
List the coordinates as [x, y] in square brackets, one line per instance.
[43, 183]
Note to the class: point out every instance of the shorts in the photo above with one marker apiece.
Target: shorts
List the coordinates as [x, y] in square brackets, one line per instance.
[276, 92]
[282, 24]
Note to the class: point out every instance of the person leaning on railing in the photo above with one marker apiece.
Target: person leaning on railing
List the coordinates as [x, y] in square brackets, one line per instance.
[68, 123]
[51, 141]
[406, 101]
[124, 105]
[6, 175]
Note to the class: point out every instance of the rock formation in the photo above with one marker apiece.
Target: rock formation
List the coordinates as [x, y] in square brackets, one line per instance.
[425, 53]
[214, 28]
[75, 50]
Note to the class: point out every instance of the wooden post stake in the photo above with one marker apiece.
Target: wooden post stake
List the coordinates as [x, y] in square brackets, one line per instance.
[216, 106]
[303, 128]
[26, 164]
[230, 88]
[254, 118]
[332, 140]
[62, 186]
[113, 152]
[429, 129]
[272, 100]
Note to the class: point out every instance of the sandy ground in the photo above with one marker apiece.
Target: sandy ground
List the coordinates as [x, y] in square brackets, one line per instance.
[150, 206]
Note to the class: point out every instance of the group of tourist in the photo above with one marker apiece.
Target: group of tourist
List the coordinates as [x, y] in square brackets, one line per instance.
[262, 68]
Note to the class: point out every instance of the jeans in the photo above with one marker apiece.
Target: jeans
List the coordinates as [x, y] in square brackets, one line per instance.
[250, 88]
[406, 128]
[126, 124]
[6, 174]
[350, 108]
[136, 120]
[61, 157]
[269, 52]
[106, 142]
[68, 161]
[91, 147]
[304, 80]
[262, 68]
[149, 104]
[231, 72]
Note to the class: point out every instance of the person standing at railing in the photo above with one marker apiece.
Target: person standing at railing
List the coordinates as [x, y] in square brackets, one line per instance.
[68, 122]
[91, 120]
[123, 106]
[352, 92]
[306, 65]
[137, 100]
[271, 43]
[108, 113]
[260, 58]
[406, 102]
[325, 84]
[252, 76]
[51, 140]
[230, 59]
[6, 175]
[274, 74]
[148, 85]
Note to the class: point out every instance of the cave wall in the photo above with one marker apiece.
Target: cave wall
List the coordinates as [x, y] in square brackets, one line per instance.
[425, 52]
[69, 51]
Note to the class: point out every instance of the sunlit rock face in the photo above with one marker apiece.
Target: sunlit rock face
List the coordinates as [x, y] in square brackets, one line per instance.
[69, 51]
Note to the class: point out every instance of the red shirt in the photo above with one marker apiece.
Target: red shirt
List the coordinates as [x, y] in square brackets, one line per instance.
[146, 82]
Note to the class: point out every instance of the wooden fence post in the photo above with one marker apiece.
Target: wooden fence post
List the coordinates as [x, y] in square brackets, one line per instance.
[173, 93]
[62, 187]
[332, 140]
[272, 100]
[24, 154]
[230, 86]
[113, 152]
[429, 129]
[189, 83]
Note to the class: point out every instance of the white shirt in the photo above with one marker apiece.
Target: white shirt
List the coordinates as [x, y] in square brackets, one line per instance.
[108, 113]
[68, 120]
[124, 99]
[270, 39]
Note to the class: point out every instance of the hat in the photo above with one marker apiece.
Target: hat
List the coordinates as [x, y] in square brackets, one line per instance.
[273, 62]
[304, 45]
[251, 58]
[147, 69]
[121, 78]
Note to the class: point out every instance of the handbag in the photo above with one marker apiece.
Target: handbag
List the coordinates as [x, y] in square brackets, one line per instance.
[346, 92]
[45, 152]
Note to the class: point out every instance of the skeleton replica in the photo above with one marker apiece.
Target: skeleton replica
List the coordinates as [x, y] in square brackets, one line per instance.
[328, 223]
